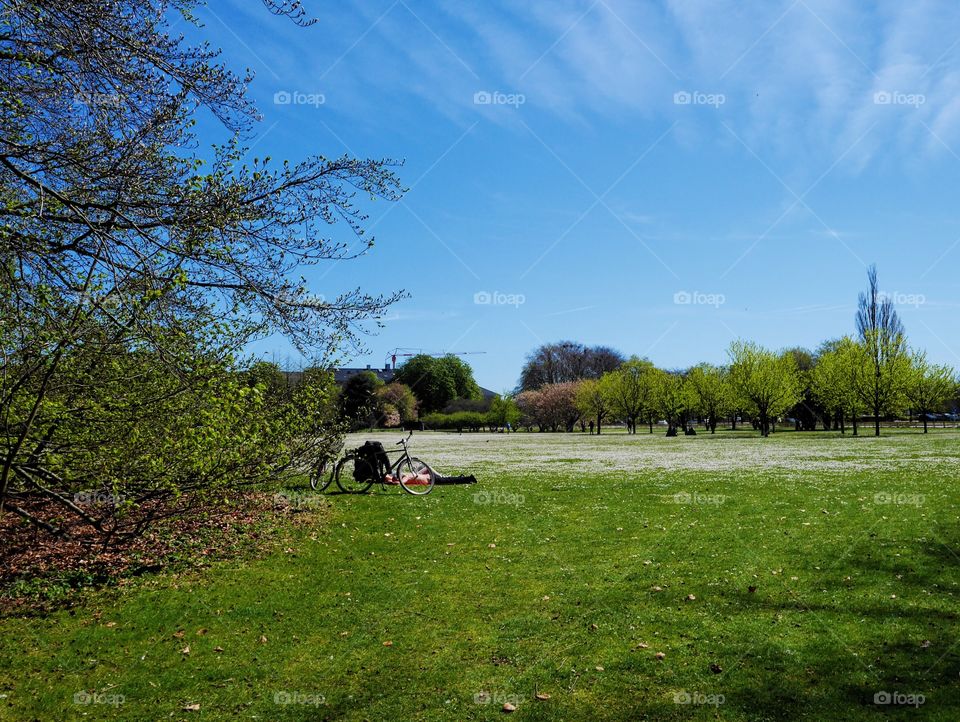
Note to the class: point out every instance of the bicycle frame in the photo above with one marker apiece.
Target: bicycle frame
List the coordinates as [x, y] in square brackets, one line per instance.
[404, 455]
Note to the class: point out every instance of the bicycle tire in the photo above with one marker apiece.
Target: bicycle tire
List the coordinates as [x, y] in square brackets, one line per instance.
[344, 476]
[415, 476]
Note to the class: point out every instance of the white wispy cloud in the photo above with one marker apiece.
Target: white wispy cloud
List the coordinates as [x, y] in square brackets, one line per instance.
[800, 78]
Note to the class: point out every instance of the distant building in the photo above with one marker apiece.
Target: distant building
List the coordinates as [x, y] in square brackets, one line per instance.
[341, 375]
[385, 374]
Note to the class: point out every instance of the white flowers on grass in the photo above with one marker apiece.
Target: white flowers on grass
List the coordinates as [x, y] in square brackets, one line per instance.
[576, 455]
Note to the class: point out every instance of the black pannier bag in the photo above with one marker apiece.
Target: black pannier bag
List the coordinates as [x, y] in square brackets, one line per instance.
[372, 462]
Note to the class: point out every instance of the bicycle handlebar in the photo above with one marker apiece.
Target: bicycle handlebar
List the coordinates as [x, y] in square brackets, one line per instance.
[403, 441]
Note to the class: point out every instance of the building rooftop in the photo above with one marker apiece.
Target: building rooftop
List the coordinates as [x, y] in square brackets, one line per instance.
[385, 374]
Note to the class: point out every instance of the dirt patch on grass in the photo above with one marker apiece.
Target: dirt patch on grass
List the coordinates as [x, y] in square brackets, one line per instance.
[39, 571]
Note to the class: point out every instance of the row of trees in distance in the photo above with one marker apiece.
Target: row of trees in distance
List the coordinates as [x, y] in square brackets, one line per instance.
[873, 374]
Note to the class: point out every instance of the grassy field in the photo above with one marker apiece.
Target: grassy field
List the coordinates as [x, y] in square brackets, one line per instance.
[728, 577]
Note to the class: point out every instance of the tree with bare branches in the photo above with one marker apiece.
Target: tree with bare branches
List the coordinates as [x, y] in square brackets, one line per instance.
[885, 344]
[134, 271]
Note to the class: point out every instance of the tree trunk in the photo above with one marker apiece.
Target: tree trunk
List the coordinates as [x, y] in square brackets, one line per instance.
[598, 424]
[876, 415]
[924, 422]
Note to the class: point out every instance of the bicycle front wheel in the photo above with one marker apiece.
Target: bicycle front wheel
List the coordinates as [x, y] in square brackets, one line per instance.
[415, 476]
[353, 475]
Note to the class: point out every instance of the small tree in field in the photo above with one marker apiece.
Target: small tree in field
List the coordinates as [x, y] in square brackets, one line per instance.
[671, 398]
[853, 366]
[711, 393]
[631, 391]
[807, 409]
[503, 411]
[593, 401]
[766, 382]
[834, 379]
[929, 386]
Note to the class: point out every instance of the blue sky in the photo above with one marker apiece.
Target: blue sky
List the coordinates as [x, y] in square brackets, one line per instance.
[662, 177]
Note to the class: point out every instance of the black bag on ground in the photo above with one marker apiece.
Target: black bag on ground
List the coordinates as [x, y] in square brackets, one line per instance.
[372, 462]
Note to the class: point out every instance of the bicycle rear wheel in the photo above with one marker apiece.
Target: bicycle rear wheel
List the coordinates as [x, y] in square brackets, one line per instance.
[415, 476]
[354, 475]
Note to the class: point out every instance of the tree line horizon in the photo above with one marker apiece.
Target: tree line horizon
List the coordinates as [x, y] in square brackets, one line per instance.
[872, 373]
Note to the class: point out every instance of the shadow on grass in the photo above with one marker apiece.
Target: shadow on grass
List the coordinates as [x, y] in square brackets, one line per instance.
[898, 658]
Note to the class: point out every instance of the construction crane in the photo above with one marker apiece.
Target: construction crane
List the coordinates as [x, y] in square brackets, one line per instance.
[392, 356]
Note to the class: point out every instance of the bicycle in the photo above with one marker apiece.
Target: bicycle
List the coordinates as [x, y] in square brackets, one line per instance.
[355, 474]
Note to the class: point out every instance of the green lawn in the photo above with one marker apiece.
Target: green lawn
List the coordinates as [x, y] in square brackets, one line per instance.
[793, 577]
